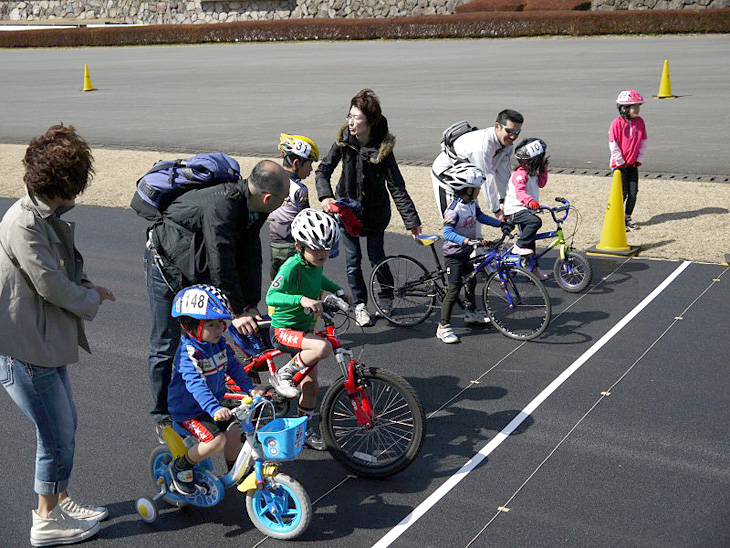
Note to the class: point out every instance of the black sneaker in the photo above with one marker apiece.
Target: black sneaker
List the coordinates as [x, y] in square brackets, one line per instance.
[182, 477]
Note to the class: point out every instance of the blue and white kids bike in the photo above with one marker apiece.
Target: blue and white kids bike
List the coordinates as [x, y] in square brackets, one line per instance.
[277, 504]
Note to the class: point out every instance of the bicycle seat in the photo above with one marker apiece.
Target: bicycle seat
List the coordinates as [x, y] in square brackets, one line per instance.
[425, 240]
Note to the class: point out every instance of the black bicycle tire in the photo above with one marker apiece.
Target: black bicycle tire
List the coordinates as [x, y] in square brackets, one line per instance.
[499, 324]
[402, 388]
[587, 269]
[429, 306]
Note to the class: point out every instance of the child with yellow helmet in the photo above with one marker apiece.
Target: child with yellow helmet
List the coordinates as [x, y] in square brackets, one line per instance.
[298, 153]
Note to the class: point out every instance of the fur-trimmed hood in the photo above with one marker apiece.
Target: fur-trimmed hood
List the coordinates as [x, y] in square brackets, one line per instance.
[369, 173]
[380, 146]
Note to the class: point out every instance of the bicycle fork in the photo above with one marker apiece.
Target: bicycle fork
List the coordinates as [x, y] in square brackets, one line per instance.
[359, 400]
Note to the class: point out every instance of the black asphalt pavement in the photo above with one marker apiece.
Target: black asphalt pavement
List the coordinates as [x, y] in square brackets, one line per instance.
[631, 450]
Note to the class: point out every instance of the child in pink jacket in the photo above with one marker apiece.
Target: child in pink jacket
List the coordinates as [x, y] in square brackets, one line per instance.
[523, 192]
[627, 142]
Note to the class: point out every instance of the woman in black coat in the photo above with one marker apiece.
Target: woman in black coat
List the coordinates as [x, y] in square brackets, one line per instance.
[365, 148]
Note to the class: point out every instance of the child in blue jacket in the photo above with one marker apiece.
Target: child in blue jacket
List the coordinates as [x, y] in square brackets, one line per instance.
[198, 383]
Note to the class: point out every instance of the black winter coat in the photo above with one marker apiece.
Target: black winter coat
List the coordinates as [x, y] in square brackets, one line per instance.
[366, 171]
[210, 236]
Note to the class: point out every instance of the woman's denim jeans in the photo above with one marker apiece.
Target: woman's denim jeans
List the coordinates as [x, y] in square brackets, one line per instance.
[353, 258]
[44, 395]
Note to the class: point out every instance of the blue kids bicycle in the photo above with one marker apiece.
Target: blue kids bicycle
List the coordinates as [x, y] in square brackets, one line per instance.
[572, 271]
[277, 504]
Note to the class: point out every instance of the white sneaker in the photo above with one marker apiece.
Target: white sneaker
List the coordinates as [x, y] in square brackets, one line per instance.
[475, 317]
[630, 224]
[58, 528]
[386, 305]
[283, 380]
[521, 250]
[82, 511]
[446, 334]
[362, 316]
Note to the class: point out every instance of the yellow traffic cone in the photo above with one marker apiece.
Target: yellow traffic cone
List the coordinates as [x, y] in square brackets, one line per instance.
[87, 80]
[665, 86]
[613, 237]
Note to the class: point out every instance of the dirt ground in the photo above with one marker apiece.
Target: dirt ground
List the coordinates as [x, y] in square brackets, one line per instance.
[678, 219]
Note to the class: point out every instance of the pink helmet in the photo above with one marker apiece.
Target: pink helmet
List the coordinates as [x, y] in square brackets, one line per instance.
[629, 97]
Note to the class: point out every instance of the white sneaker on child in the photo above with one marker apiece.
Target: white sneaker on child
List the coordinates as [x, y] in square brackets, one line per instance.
[521, 250]
[283, 380]
[82, 511]
[631, 225]
[59, 528]
[445, 334]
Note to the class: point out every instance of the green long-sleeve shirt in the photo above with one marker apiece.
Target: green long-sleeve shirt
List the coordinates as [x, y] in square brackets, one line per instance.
[296, 279]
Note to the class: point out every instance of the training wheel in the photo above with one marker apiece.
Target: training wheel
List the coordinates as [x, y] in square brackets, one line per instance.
[146, 509]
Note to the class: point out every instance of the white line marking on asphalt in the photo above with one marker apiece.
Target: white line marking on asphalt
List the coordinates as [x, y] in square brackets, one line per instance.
[485, 451]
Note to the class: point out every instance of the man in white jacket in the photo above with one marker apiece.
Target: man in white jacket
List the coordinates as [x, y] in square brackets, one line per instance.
[490, 150]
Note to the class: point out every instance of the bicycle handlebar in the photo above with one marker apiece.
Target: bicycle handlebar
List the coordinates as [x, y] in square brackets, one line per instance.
[332, 304]
[494, 244]
[553, 210]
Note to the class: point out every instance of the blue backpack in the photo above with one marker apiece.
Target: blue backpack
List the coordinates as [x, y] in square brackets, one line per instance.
[171, 178]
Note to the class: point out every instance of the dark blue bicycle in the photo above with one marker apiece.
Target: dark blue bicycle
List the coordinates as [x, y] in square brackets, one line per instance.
[515, 300]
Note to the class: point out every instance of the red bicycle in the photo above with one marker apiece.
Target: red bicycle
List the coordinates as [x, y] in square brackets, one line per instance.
[371, 419]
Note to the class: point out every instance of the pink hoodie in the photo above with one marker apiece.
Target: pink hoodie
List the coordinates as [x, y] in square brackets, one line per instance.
[627, 141]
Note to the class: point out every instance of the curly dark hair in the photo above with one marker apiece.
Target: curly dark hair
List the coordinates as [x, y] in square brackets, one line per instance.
[58, 163]
[369, 104]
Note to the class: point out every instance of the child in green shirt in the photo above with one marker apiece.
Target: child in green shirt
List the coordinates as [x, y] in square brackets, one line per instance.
[294, 302]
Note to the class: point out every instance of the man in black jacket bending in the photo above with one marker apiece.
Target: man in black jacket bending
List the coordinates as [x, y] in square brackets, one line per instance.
[208, 235]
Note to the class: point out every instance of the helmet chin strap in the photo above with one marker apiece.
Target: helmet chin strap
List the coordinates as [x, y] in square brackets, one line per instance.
[198, 331]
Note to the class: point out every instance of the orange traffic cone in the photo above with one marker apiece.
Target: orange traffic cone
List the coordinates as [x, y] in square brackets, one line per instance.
[87, 80]
[613, 237]
[665, 86]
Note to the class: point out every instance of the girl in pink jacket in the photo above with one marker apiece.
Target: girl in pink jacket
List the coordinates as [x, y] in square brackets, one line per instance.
[523, 193]
[627, 142]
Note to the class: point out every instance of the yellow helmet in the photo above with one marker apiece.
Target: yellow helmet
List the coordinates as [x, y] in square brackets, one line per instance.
[298, 145]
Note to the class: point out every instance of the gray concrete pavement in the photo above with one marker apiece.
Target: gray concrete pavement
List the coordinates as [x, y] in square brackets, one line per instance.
[238, 97]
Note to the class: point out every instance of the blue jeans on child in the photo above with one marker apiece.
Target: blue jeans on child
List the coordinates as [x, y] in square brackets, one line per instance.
[353, 258]
[44, 395]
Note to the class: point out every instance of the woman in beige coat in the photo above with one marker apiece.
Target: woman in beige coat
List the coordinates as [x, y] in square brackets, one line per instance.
[45, 297]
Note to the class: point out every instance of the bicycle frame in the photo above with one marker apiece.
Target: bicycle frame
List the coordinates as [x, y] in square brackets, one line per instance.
[489, 262]
[248, 457]
[557, 233]
[343, 356]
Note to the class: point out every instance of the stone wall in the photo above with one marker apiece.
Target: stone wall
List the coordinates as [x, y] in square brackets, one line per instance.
[206, 11]
[657, 4]
[136, 11]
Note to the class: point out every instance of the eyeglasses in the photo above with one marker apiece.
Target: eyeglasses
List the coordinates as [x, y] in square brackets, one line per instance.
[354, 117]
[510, 131]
